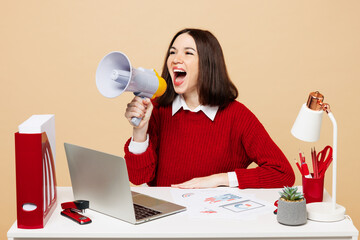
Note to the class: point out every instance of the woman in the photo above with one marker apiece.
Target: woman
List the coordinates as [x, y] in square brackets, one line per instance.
[197, 135]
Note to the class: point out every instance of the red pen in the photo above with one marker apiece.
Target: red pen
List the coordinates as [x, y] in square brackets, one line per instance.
[301, 158]
[315, 163]
[304, 167]
[298, 165]
[305, 170]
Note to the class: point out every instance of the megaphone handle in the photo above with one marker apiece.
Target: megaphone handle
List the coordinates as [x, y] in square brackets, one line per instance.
[135, 121]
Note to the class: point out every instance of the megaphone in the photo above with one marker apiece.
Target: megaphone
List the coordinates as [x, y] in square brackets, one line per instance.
[115, 75]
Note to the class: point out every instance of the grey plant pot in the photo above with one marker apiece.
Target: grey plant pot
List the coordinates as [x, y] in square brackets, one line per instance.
[292, 213]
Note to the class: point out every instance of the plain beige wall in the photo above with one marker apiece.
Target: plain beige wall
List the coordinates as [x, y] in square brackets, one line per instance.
[276, 52]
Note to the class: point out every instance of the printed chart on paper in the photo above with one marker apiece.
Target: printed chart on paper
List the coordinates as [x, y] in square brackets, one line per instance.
[220, 203]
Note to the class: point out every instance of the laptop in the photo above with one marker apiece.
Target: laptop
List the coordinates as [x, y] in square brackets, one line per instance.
[103, 180]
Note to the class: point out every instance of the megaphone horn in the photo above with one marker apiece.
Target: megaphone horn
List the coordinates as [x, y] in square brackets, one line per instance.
[115, 75]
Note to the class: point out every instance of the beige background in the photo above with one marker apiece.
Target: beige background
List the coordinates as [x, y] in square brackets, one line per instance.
[276, 52]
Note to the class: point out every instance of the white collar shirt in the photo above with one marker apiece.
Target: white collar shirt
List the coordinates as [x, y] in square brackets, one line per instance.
[179, 102]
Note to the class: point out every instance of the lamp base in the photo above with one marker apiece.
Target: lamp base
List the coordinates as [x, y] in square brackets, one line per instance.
[324, 212]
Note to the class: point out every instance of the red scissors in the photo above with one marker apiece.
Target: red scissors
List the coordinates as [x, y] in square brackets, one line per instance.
[324, 159]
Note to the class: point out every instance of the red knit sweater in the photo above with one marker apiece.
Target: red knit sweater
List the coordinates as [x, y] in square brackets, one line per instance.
[189, 145]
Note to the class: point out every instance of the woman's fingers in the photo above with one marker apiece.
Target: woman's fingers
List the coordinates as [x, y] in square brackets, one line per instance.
[139, 108]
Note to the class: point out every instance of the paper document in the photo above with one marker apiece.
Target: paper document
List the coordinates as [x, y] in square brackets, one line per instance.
[220, 203]
[41, 123]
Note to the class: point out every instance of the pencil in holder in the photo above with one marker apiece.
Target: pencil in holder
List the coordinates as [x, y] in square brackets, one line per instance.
[313, 189]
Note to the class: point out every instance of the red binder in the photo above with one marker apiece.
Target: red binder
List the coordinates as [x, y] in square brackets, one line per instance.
[35, 180]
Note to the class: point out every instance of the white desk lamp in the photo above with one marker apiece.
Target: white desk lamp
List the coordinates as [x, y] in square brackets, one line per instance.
[307, 128]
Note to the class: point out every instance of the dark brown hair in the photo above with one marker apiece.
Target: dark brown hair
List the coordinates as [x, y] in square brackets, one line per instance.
[214, 85]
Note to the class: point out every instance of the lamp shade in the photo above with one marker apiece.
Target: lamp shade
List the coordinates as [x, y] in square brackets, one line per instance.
[307, 125]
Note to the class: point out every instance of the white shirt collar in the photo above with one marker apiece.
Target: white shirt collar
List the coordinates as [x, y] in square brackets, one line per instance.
[179, 102]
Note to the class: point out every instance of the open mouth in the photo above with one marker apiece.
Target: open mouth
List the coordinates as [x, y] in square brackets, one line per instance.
[179, 76]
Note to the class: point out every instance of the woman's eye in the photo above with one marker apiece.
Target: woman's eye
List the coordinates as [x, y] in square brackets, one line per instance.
[189, 53]
[171, 52]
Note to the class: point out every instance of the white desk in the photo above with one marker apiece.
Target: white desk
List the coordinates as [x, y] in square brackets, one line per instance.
[182, 226]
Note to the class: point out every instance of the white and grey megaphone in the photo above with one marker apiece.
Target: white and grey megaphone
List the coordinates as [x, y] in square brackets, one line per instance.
[115, 75]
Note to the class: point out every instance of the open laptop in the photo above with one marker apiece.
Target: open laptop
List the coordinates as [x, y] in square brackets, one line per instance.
[103, 180]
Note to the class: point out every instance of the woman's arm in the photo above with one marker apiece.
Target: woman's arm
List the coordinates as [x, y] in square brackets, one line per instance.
[274, 170]
[141, 167]
[251, 143]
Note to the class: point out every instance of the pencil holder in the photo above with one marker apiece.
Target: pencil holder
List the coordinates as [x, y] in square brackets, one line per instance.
[313, 189]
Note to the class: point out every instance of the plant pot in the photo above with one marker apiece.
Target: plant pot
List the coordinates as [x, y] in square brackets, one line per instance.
[292, 213]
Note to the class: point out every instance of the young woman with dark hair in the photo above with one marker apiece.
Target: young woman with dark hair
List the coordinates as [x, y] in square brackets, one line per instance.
[214, 85]
[197, 135]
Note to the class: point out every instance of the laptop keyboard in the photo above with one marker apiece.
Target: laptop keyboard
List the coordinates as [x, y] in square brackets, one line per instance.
[144, 212]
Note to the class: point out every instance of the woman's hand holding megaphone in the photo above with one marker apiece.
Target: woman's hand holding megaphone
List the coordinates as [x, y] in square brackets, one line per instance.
[140, 108]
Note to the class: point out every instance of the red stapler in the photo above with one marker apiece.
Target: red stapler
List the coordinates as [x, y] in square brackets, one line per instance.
[72, 209]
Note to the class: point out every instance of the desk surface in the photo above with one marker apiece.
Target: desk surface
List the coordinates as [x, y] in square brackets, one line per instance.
[182, 226]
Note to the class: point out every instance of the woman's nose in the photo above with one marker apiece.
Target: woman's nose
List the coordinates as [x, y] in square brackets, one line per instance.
[178, 58]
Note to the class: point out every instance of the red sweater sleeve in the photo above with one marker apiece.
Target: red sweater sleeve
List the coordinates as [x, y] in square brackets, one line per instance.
[273, 170]
[142, 167]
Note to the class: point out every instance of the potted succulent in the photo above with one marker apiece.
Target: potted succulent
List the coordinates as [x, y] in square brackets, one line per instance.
[291, 207]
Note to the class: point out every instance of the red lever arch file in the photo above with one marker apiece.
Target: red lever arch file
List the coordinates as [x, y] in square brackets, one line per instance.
[35, 180]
